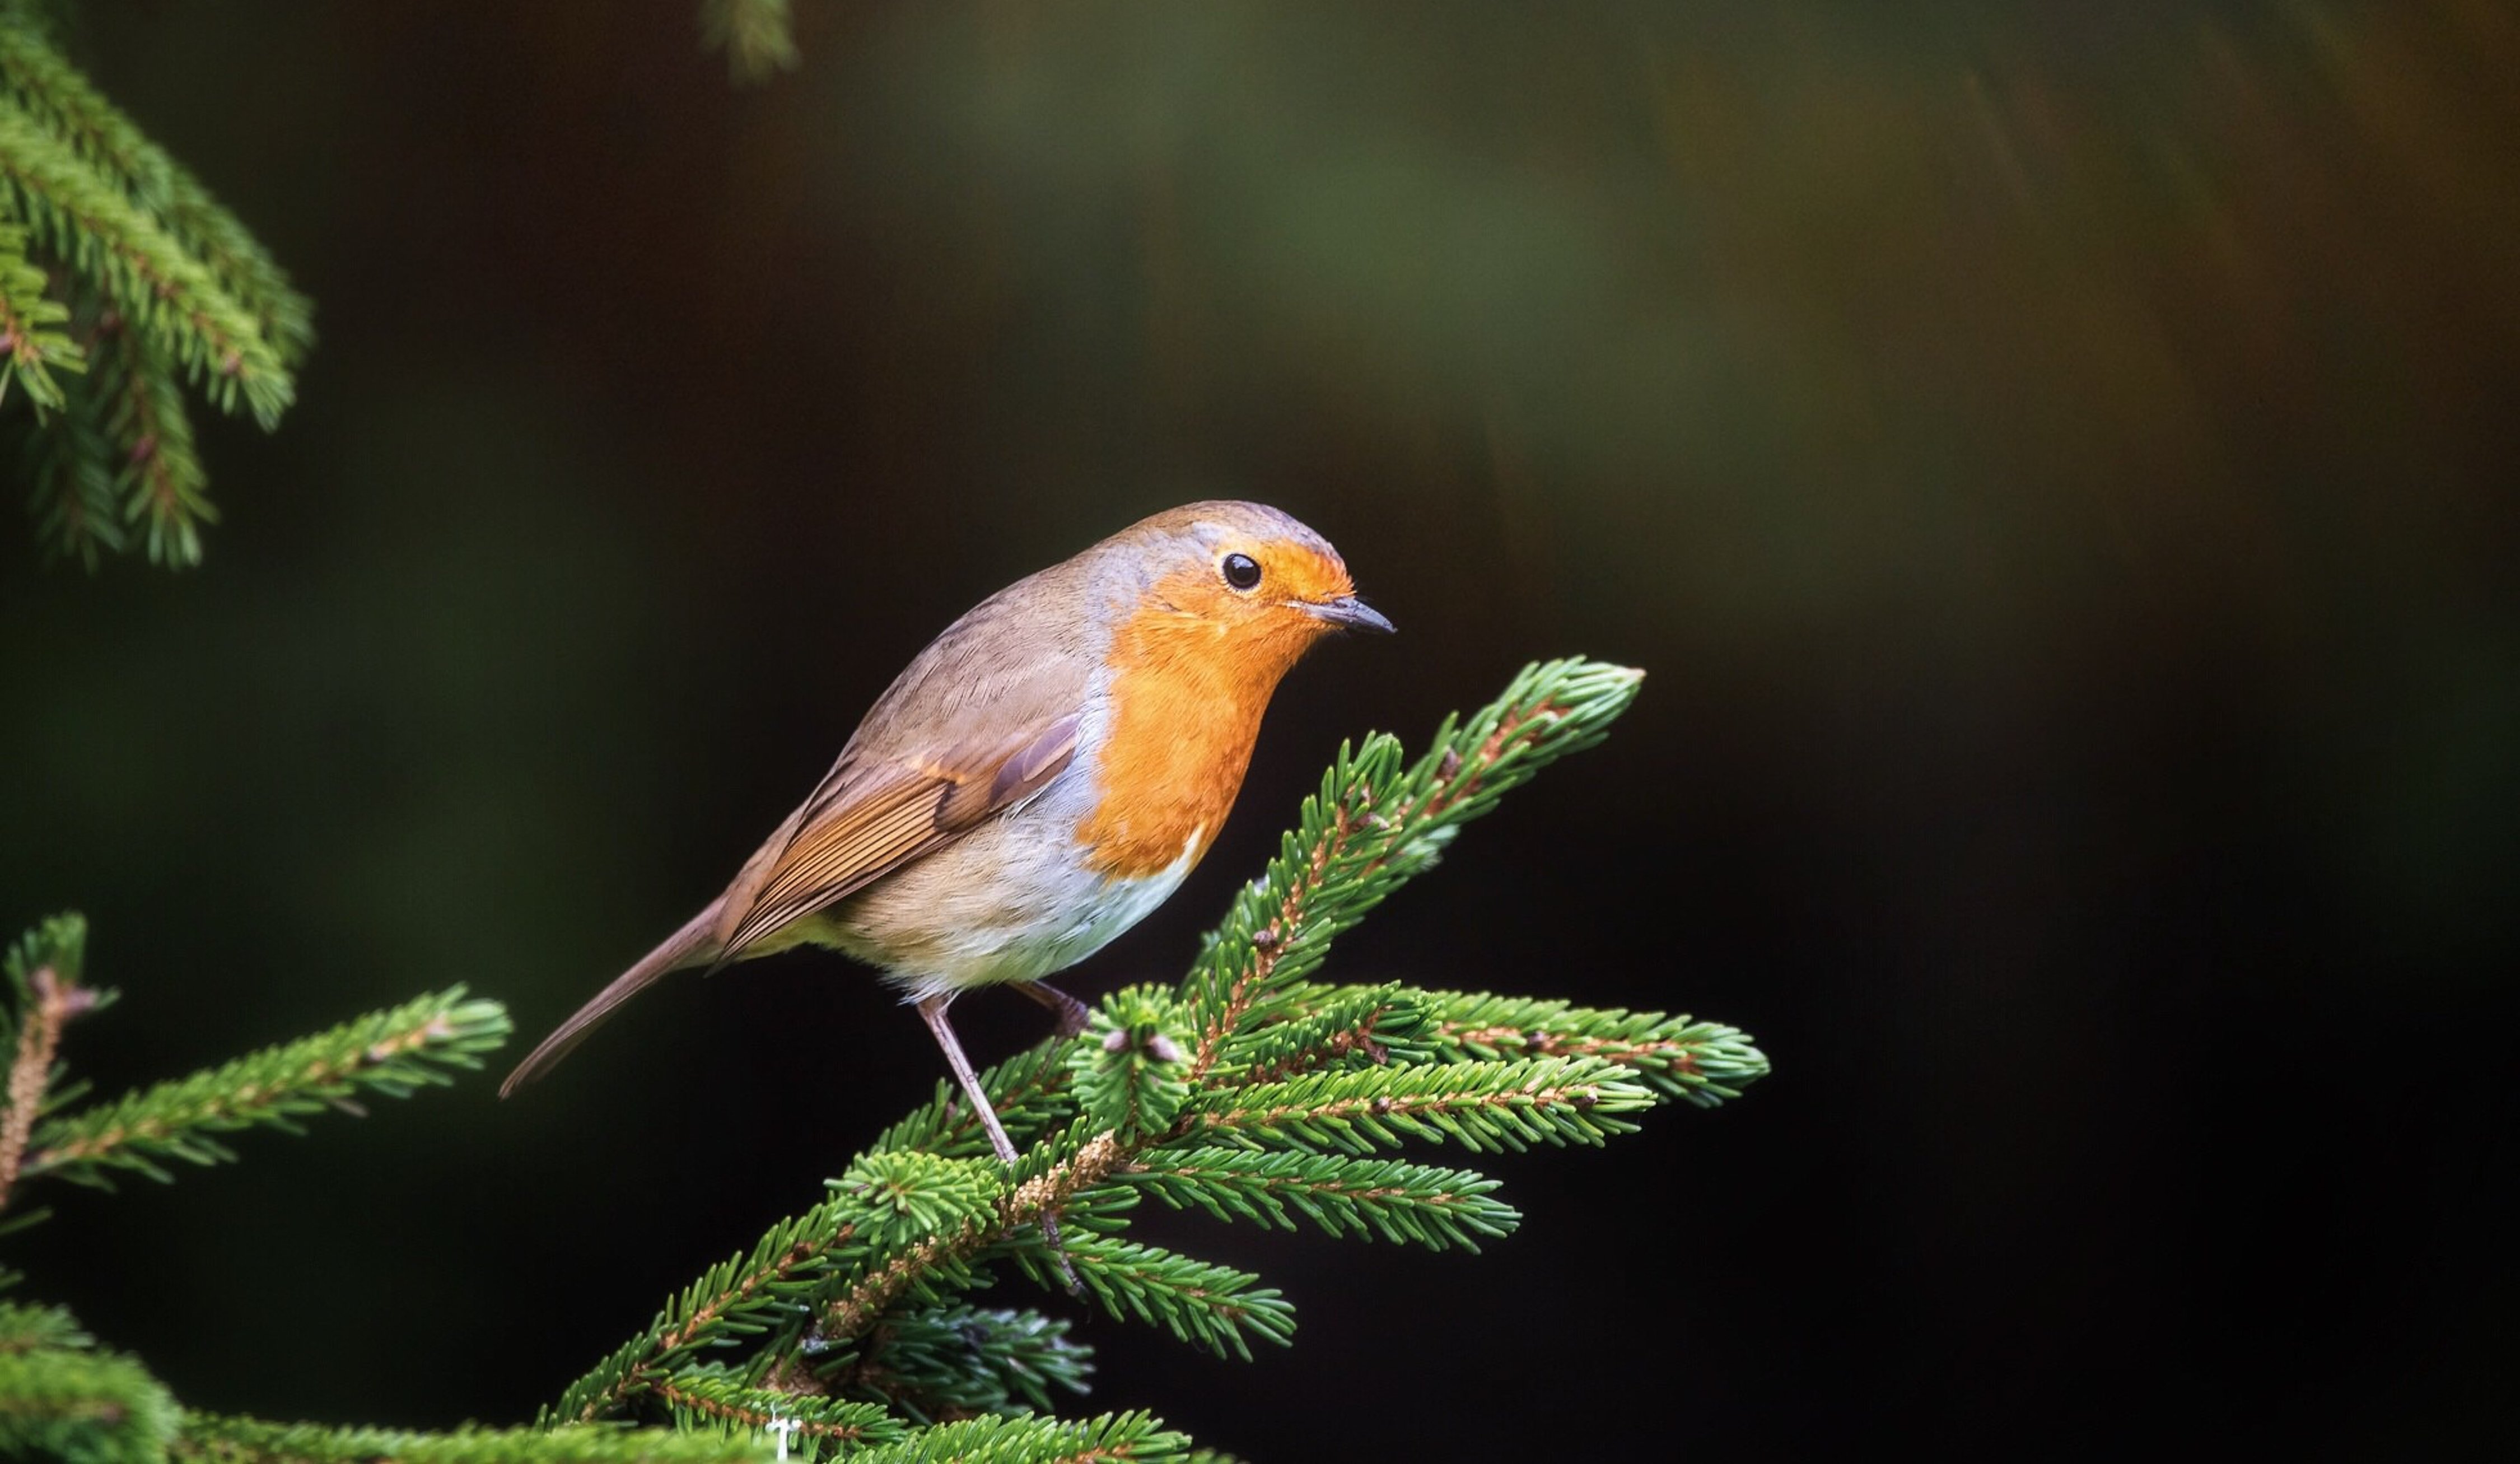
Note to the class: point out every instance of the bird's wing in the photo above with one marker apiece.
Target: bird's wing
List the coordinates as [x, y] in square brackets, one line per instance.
[873, 815]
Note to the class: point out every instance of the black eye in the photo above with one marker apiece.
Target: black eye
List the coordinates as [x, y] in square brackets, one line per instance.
[1241, 570]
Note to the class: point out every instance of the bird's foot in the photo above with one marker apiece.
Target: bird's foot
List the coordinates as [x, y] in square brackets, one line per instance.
[1069, 1015]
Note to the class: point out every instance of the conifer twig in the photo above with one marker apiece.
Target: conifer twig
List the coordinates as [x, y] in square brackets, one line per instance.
[56, 1001]
[79, 214]
[726, 1402]
[79, 1403]
[855, 1311]
[733, 1296]
[996, 1439]
[32, 345]
[1702, 1061]
[1372, 826]
[211, 1438]
[74, 496]
[391, 1052]
[58, 94]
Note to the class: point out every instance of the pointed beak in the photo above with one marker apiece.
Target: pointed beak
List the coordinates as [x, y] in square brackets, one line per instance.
[1348, 613]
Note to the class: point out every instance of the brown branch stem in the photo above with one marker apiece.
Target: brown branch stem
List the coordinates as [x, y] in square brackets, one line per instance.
[1266, 951]
[245, 1100]
[674, 1339]
[56, 1002]
[1407, 1106]
[867, 1300]
[1625, 1051]
[753, 1417]
[1455, 778]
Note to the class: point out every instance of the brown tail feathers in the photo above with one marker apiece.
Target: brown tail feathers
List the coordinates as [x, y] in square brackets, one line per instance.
[694, 944]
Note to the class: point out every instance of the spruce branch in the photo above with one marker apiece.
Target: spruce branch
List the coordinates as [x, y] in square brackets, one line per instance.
[55, 92]
[887, 1206]
[25, 1329]
[854, 1312]
[812, 1425]
[32, 344]
[739, 1297]
[1026, 1090]
[164, 288]
[43, 971]
[59, 1398]
[943, 1362]
[211, 1438]
[81, 216]
[164, 491]
[1704, 1062]
[71, 486]
[1400, 1202]
[905, 1196]
[1480, 1106]
[1129, 1070]
[393, 1052]
[758, 37]
[1340, 1026]
[1203, 1304]
[1372, 826]
[1104, 1440]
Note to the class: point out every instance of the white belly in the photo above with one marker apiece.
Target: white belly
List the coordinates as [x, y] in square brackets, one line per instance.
[1013, 900]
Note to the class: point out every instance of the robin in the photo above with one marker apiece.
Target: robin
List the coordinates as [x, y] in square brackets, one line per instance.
[1041, 777]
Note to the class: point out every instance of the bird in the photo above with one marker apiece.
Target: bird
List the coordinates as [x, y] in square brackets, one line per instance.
[1038, 780]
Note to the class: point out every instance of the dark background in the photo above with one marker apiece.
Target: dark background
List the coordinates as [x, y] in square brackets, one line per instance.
[2055, 461]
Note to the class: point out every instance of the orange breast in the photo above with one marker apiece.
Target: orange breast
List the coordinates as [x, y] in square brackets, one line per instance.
[1186, 696]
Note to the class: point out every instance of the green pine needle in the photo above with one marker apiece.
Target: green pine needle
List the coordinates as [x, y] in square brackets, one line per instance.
[1400, 1202]
[1340, 1026]
[25, 1328]
[907, 1196]
[1130, 1069]
[71, 480]
[814, 1426]
[1134, 1437]
[1489, 1107]
[1375, 824]
[82, 218]
[81, 1406]
[32, 345]
[1206, 1304]
[392, 1053]
[1704, 1063]
[953, 1361]
[210, 1439]
[743, 1295]
[1028, 1091]
[164, 490]
[113, 254]
[51, 89]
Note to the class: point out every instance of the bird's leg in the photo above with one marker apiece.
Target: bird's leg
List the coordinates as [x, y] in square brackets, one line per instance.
[1071, 1013]
[931, 1010]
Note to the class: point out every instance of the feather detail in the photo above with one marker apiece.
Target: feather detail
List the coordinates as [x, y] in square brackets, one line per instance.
[864, 823]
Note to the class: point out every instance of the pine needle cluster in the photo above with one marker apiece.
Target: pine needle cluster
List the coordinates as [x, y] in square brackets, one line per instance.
[64, 1397]
[1256, 1091]
[125, 292]
[44, 1134]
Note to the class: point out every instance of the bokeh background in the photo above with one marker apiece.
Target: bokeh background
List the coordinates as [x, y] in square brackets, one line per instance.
[2055, 461]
